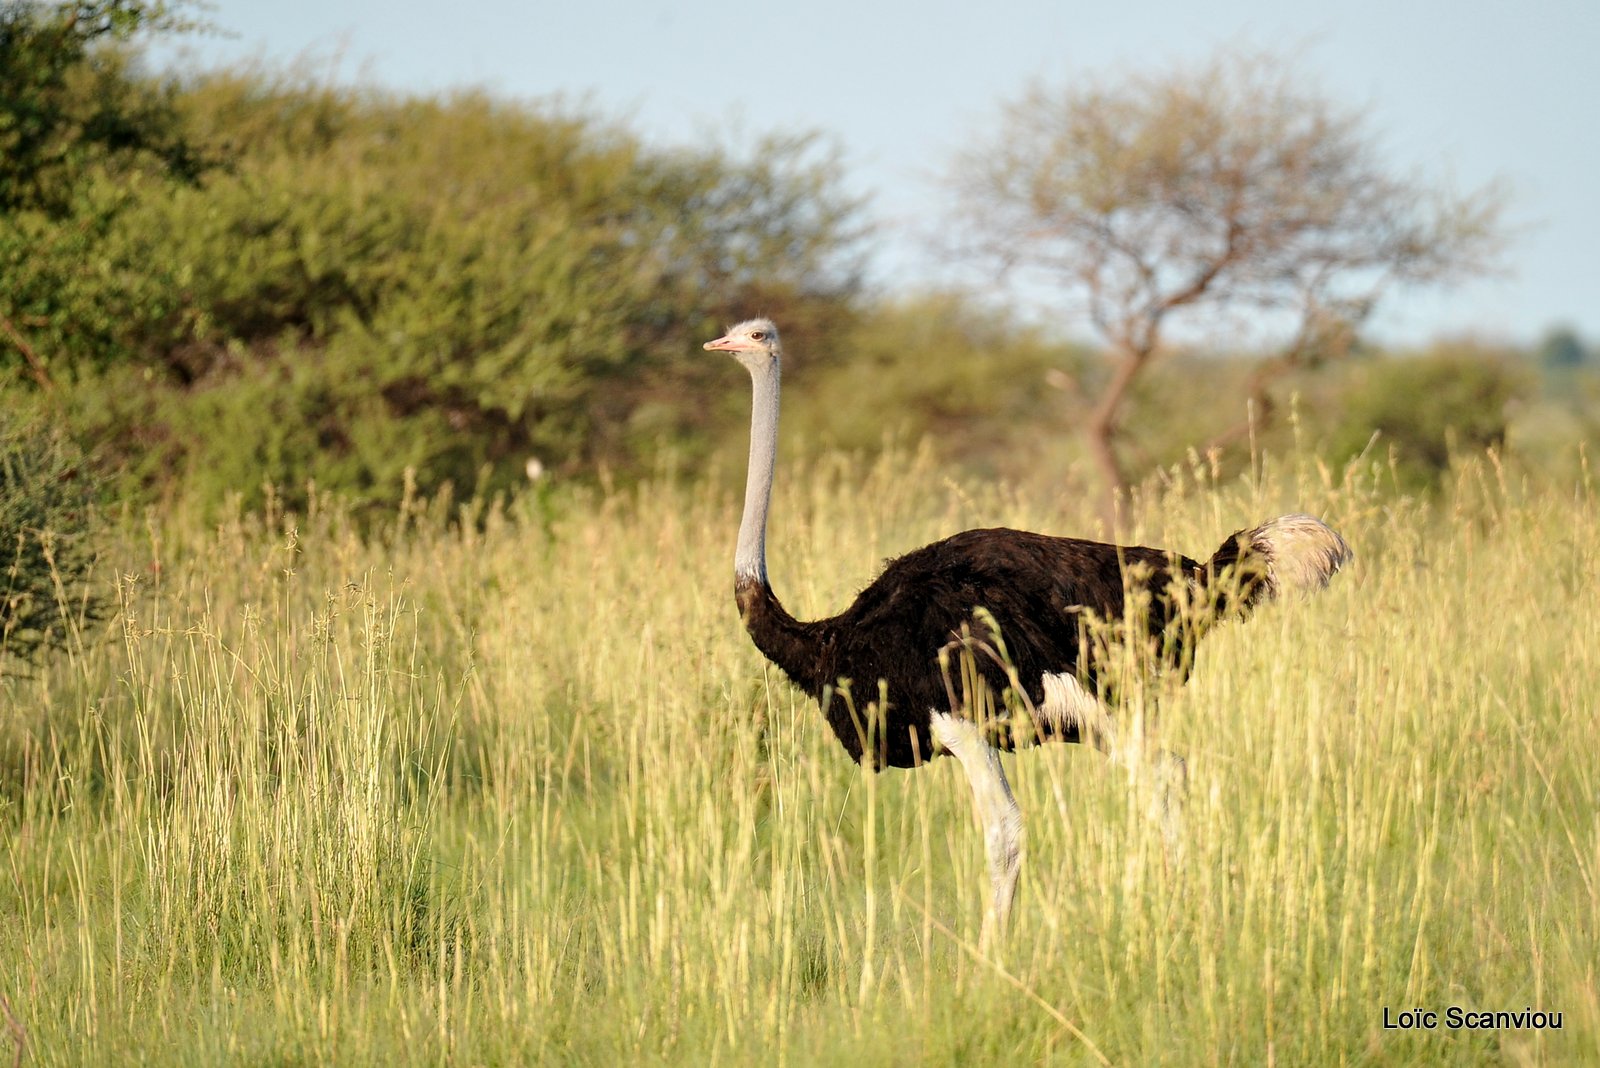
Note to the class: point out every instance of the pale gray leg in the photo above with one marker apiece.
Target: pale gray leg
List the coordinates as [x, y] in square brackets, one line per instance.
[1162, 775]
[997, 809]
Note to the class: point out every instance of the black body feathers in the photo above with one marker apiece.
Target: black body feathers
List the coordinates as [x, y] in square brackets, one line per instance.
[1043, 592]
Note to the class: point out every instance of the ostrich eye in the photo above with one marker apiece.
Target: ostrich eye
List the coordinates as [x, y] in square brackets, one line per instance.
[758, 335]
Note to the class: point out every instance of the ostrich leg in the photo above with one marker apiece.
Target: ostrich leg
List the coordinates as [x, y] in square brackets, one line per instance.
[1161, 774]
[997, 813]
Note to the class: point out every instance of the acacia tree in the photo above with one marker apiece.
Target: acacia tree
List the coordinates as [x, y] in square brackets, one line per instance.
[1221, 195]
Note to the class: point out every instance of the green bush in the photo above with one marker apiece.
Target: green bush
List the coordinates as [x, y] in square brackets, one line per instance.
[1423, 410]
[374, 285]
[82, 137]
[46, 545]
[69, 106]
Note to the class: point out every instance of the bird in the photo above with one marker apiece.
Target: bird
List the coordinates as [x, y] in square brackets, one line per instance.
[880, 669]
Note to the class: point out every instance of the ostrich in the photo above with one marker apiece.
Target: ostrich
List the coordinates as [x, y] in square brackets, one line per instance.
[1041, 593]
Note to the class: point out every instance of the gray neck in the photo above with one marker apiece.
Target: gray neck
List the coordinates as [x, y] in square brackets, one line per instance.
[750, 557]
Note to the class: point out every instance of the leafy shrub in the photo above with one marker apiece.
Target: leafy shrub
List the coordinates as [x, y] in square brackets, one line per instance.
[46, 551]
[449, 286]
[69, 107]
[1425, 409]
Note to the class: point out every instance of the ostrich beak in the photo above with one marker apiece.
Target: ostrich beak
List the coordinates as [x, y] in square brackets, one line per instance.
[726, 343]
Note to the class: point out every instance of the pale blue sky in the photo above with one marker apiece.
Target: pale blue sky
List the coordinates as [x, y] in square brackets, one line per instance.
[1469, 91]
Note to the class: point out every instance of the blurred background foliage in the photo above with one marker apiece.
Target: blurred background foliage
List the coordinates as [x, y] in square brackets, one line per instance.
[239, 284]
[313, 283]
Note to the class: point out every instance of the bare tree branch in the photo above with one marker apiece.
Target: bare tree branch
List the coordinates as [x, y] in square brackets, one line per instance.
[36, 368]
[1153, 202]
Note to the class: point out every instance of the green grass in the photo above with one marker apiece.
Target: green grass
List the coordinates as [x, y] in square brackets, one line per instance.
[523, 792]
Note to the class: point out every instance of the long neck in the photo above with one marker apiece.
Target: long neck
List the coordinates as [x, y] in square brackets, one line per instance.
[792, 645]
[750, 556]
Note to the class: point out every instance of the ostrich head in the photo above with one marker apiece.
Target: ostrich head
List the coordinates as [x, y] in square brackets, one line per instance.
[753, 343]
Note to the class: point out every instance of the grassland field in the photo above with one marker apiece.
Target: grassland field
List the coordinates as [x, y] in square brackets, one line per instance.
[518, 790]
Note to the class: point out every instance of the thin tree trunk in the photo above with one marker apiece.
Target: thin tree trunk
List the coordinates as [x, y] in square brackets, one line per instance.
[1103, 451]
[1105, 421]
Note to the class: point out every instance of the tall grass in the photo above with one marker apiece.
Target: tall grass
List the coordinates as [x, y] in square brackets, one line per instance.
[520, 790]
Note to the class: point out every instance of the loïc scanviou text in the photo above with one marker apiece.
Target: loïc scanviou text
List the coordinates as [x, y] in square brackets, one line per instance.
[1458, 1018]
